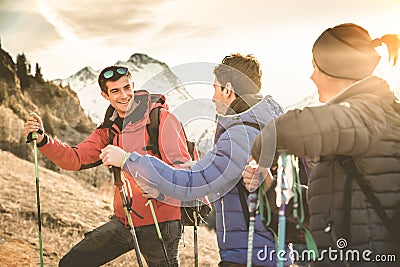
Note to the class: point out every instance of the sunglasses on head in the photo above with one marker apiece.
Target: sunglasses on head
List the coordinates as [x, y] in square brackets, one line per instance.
[110, 73]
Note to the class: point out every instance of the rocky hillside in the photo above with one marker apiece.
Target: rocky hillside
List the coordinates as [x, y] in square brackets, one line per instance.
[69, 208]
[59, 107]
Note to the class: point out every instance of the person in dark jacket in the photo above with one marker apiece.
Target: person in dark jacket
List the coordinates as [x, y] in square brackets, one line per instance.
[237, 85]
[360, 120]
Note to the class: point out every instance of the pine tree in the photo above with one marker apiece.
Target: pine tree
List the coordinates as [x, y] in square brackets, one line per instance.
[22, 71]
[38, 74]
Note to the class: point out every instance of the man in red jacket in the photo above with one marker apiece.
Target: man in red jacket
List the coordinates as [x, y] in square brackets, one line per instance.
[124, 126]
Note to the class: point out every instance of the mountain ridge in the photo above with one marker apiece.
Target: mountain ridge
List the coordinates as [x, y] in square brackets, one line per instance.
[144, 69]
[59, 108]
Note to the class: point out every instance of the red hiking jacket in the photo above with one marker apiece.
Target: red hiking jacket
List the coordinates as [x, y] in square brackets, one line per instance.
[132, 137]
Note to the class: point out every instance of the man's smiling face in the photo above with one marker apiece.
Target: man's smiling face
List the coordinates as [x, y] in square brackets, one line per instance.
[120, 94]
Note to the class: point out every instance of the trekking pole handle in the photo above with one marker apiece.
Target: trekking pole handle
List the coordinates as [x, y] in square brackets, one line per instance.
[117, 176]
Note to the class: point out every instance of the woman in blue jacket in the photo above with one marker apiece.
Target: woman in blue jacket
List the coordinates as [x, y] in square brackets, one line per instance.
[240, 108]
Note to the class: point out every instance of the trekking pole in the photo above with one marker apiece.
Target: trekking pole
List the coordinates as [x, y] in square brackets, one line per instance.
[252, 219]
[34, 138]
[150, 204]
[196, 249]
[119, 184]
[282, 208]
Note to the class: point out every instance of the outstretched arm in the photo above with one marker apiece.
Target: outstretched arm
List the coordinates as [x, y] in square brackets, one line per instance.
[218, 171]
[348, 128]
[82, 156]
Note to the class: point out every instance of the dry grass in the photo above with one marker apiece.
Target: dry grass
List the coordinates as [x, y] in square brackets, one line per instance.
[69, 208]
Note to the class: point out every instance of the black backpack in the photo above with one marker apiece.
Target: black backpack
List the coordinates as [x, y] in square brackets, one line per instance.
[293, 233]
[353, 174]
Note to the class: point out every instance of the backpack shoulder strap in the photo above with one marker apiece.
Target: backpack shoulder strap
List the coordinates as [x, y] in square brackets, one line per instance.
[242, 191]
[243, 194]
[252, 124]
[352, 173]
[154, 125]
[191, 146]
[153, 131]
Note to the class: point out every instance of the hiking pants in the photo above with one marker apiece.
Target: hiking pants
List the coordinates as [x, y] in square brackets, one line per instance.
[113, 239]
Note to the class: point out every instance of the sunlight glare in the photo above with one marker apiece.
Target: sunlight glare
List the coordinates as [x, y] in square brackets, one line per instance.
[63, 29]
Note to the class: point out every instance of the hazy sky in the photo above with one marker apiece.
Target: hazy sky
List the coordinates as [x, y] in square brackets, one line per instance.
[65, 36]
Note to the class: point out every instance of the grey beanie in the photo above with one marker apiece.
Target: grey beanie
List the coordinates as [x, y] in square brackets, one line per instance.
[337, 58]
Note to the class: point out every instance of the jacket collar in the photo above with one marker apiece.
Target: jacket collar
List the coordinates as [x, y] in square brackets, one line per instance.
[370, 85]
[142, 98]
[261, 113]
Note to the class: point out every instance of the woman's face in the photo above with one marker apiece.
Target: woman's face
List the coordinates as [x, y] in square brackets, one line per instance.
[322, 82]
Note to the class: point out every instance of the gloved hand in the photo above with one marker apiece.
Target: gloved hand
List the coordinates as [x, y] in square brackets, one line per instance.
[32, 124]
[254, 175]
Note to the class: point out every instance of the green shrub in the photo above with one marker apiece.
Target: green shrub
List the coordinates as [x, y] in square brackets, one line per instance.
[3, 93]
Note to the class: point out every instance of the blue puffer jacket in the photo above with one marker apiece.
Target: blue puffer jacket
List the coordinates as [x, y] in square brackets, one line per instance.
[218, 172]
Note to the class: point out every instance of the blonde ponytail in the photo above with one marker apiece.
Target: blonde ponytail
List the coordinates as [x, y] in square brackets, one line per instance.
[392, 42]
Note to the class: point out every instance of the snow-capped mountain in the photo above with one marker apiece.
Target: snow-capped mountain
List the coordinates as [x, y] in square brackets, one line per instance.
[155, 77]
[197, 115]
[144, 69]
[308, 101]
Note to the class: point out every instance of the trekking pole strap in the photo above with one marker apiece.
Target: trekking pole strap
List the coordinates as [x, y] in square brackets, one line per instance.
[117, 176]
[33, 136]
[118, 183]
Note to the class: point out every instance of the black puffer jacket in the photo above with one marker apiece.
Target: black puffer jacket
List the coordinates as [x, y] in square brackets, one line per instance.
[360, 122]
